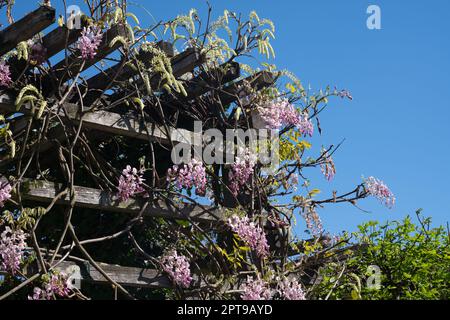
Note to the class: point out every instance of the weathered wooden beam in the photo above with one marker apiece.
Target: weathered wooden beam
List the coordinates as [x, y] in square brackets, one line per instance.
[65, 70]
[130, 126]
[56, 133]
[203, 83]
[186, 61]
[6, 104]
[82, 271]
[53, 42]
[58, 39]
[258, 81]
[45, 191]
[125, 276]
[121, 71]
[182, 63]
[25, 28]
[113, 123]
[18, 124]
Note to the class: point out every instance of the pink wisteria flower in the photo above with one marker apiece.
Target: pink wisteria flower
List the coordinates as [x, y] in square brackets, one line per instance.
[177, 267]
[327, 167]
[189, 175]
[5, 75]
[130, 183]
[5, 193]
[58, 285]
[89, 41]
[251, 233]
[241, 170]
[379, 190]
[291, 290]
[256, 289]
[312, 219]
[39, 294]
[12, 246]
[304, 125]
[280, 112]
[55, 285]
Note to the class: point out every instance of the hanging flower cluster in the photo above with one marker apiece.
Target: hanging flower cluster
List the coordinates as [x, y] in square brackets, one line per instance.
[327, 167]
[241, 170]
[5, 193]
[256, 289]
[251, 233]
[291, 290]
[130, 183]
[5, 75]
[312, 219]
[89, 41]
[12, 246]
[304, 125]
[189, 175]
[177, 267]
[55, 285]
[280, 112]
[379, 190]
[39, 294]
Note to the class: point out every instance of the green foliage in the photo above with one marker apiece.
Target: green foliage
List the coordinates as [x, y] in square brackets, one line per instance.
[26, 219]
[30, 94]
[22, 51]
[161, 65]
[414, 260]
[6, 135]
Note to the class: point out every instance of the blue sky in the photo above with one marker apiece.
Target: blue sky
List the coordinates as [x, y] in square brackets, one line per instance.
[396, 128]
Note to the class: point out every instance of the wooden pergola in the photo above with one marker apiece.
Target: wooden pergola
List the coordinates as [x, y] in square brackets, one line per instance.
[110, 121]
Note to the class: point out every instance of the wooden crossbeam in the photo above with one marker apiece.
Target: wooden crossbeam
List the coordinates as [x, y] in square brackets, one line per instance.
[121, 72]
[58, 39]
[203, 83]
[6, 104]
[56, 133]
[67, 70]
[130, 126]
[82, 271]
[46, 191]
[18, 124]
[54, 42]
[125, 276]
[113, 123]
[186, 61]
[258, 81]
[25, 28]
[182, 63]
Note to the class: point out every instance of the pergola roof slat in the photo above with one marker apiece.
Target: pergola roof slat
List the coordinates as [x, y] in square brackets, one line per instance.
[26, 28]
[65, 70]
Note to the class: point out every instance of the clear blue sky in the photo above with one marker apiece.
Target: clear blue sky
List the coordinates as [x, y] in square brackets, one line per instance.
[397, 127]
